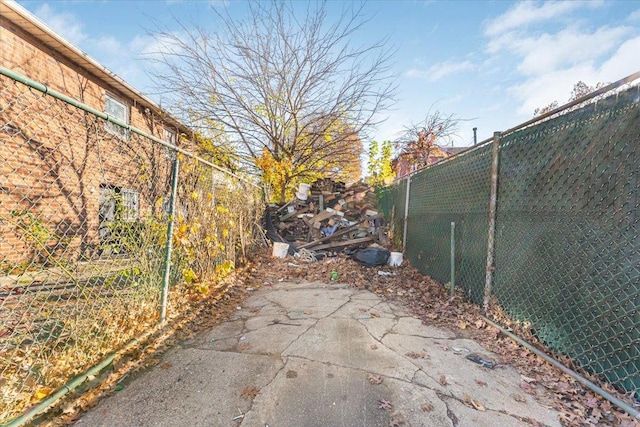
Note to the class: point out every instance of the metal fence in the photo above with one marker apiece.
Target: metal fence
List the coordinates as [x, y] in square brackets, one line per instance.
[97, 224]
[567, 233]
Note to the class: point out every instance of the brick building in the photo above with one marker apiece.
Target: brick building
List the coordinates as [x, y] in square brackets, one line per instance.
[66, 175]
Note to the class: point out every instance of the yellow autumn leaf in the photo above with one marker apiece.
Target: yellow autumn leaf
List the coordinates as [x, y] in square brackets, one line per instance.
[225, 232]
[209, 196]
[194, 195]
[41, 393]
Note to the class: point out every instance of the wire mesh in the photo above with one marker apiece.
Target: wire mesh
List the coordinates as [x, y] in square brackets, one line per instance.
[455, 191]
[567, 243]
[392, 202]
[83, 238]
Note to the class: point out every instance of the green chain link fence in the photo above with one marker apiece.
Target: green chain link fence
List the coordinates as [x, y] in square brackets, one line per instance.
[84, 216]
[567, 234]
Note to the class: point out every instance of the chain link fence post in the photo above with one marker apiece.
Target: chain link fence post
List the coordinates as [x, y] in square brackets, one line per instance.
[406, 215]
[169, 244]
[493, 201]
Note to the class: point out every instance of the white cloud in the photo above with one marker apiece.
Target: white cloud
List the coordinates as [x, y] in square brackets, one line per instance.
[527, 13]
[623, 62]
[108, 45]
[634, 16]
[539, 91]
[440, 70]
[553, 45]
[65, 24]
[551, 52]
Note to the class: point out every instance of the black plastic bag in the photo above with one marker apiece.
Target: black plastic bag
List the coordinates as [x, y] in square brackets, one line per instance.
[370, 257]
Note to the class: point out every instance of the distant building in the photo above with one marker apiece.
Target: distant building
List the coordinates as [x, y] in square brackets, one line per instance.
[403, 164]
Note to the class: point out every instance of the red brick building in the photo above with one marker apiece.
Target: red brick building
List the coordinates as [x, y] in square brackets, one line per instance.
[65, 174]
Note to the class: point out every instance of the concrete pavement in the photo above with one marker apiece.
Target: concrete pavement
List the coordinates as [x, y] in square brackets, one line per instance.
[314, 354]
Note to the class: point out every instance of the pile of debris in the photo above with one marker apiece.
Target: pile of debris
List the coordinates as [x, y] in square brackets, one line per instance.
[327, 217]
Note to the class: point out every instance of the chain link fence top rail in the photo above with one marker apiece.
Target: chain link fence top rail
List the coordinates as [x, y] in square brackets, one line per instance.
[567, 235]
[83, 238]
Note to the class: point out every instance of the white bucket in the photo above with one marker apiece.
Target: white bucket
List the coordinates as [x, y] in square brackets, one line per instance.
[304, 188]
[303, 191]
[395, 259]
[280, 249]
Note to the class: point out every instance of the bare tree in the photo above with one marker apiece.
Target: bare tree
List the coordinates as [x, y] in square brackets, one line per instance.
[284, 85]
[579, 90]
[419, 140]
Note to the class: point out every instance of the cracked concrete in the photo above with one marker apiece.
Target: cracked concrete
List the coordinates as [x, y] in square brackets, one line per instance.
[314, 354]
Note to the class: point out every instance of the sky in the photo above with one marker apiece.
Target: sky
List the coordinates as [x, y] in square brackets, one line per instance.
[490, 64]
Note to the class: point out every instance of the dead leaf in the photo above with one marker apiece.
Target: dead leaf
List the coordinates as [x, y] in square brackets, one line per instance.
[249, 392]
[307, 312]
[41, 393]
[443, 380]
[462, 325]
[69, 409]
[426, 407]
[474, 403]
[374, 347]
[481, 383]
[528, 380]
[414, 355]
[519, 398]
[374, 379]
[244, 346]
[396, 421]
[165, 365]
[527, 388]
[480, 324]
[384, 404]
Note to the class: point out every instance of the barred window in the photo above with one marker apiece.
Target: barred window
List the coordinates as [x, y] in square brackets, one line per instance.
[118, 204]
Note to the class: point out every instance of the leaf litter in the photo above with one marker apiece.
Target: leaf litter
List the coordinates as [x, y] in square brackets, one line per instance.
[432, 303]
[423, 296]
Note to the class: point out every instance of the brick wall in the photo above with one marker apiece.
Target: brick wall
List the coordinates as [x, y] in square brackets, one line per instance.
[55, 158]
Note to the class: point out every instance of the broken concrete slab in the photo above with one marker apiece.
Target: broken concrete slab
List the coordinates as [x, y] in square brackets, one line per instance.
[190, 387]
[312, 354]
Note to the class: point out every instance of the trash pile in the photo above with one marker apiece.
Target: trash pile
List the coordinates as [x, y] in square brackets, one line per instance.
[327, 217]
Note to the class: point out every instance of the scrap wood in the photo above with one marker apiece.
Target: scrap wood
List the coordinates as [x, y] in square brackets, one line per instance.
[336, 234]
[294, 213]
[343, 243]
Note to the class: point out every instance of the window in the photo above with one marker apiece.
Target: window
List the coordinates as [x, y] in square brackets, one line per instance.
[118, 110]
[169, 136]
[117, 204]
[129, 205]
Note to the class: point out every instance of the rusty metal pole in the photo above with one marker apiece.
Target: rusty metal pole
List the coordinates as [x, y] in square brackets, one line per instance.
[406, 215]
[493, 202]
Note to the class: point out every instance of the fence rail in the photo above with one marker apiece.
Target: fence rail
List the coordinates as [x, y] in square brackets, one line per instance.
[91, 228]
[566, 264]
